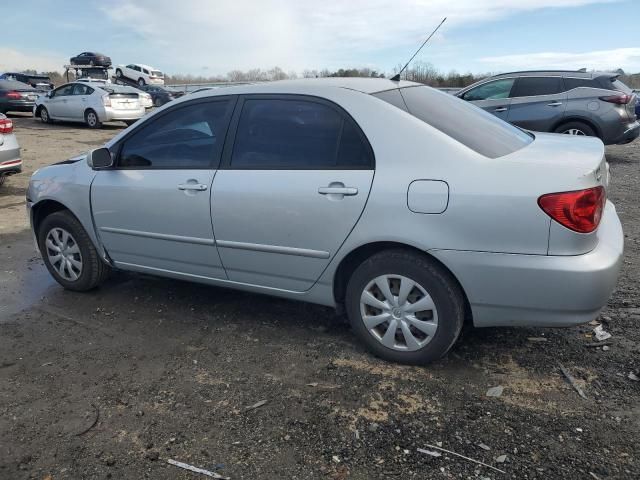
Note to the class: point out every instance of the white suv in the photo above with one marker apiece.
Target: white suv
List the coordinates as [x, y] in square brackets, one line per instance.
[143, 74]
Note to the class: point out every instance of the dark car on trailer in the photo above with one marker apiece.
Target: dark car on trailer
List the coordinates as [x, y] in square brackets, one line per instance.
[93, 59]
[16, 96]
[595, 104]
[40, 82]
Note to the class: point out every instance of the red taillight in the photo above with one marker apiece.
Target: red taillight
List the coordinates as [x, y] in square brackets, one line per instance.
[6, 125]
[620, 99]
[13, 95]
[579, 211]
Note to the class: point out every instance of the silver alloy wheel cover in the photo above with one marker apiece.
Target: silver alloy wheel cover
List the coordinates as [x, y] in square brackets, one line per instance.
[64, 254]
[394, 320]
[574, 131]
[44, 115]
[92, 119]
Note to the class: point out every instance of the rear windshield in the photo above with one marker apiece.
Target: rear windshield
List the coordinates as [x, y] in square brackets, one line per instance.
[620, 86]
[156, 73]
[464, 122]
[14, 85]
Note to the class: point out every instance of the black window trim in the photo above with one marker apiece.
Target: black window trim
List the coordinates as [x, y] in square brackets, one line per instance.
[116, 149]
[225, 164]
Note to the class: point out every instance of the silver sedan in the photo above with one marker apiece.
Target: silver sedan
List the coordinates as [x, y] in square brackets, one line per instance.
[408, 208]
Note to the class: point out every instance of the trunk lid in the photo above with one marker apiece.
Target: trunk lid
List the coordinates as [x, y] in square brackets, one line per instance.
[125, 101]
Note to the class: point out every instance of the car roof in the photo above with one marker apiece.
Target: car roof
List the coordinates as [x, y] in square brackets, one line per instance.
[556, 73]
[314, 85]
[144, 66]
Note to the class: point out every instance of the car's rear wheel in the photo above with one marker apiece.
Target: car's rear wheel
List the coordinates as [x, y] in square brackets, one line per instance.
[157, 102]
[91, 119]
[141, 82]
[118, 73]
[69, 254]
[404, 307]
[44, 115]
[576, 128]
[2, 179]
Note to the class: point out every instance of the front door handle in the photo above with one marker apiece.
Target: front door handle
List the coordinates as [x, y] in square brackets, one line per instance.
[501, 109]
[554, 104]
[200, 187]
[336, 190]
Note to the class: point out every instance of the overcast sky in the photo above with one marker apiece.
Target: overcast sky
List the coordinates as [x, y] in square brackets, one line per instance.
[207, 37]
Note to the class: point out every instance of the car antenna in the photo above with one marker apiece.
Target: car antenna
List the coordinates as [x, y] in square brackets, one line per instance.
[396, 77]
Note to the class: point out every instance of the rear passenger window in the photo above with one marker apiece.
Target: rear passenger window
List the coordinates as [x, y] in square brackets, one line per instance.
[297, 134]
[571, 83]
[185, 137]
[534, 86]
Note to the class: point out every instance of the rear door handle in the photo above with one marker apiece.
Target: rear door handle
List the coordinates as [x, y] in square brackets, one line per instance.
[501, 109]
[337, 191]
[192, 186]
[554, 104]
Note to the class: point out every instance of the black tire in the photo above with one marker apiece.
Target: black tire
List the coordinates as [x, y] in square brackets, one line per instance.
[157, 102]
[141, 82]
[443, 289]
[44, 115]
[118, 73]
[94, 270]
[586, 130]
[129, 122]
[2, 179]
[91, 119]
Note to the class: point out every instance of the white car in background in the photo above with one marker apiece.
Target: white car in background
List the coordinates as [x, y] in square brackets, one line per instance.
[142, 74]
[145, 98]
[90, 102]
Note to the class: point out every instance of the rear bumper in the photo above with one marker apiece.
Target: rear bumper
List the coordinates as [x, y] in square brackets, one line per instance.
[117, 114]
[630, 133]
[17, 106]
[540, 290]
[10, 162]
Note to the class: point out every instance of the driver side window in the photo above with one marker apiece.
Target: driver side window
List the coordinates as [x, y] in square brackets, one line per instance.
[491, 90]
[189, 137]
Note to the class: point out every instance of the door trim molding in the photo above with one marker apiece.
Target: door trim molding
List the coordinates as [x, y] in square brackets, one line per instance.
[257, 247]
[159, 236]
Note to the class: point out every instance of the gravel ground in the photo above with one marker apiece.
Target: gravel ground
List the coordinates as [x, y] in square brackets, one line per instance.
[112, 383]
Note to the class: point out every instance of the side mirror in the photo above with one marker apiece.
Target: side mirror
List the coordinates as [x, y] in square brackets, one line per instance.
[100, 158]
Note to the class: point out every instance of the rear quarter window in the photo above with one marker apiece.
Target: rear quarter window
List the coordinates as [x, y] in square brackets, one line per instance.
[464, 122]
[534, 86]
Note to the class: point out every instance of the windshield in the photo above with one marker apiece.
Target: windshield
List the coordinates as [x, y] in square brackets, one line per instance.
[464, 122]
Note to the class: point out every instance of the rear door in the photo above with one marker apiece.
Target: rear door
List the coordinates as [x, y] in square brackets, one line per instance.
[293, 185]
[152, 210]
[492, 96]
[79, 101]
[538, 103]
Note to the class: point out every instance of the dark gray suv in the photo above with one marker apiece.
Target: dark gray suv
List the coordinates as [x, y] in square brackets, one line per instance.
[576, 103]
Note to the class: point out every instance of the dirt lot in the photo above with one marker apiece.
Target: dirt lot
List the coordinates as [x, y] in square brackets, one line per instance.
[168, 369]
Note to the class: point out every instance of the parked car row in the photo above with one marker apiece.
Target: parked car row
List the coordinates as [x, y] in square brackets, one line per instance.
[595, 104]
[40, 82]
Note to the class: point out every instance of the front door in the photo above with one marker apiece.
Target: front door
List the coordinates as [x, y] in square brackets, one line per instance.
[492, 96]
[152, 210]
[292, 187]
[538, 103]
[58, 104]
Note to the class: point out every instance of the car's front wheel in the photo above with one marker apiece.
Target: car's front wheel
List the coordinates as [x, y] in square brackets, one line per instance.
[118, 73]
[69, 254]
[141, 82]
[404, 307]
[44, 115]
[91, 119]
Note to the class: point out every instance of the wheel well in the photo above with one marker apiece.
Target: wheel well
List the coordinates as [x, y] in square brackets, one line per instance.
[349, 264]
[42, 210]
[39, 109]
[581, 120]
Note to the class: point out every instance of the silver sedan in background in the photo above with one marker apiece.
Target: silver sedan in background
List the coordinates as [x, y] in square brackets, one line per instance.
[407, 207]
[10, 161]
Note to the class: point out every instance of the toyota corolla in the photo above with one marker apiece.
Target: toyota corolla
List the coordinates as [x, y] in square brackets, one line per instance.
[408, 208]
